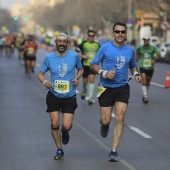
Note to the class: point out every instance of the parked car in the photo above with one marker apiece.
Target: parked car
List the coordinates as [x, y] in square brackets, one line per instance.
[165, 52]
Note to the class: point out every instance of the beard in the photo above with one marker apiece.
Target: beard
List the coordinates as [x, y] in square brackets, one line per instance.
[61, 48]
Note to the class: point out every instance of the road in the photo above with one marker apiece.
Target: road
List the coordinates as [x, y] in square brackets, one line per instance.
[25, 137]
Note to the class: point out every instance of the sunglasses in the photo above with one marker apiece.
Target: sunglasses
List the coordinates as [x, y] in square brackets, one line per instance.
[91, 35]
[118, 31]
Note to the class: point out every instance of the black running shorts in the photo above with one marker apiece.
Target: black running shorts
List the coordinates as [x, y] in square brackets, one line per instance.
[148, 73]
[87, 71]
[112, 95]
[30, 58]
[63, 105]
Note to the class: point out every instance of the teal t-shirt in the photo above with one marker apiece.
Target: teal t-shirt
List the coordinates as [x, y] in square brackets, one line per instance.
[115, 58]
[63, 71]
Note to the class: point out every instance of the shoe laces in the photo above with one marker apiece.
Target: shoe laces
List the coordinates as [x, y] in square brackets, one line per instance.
[114, 153]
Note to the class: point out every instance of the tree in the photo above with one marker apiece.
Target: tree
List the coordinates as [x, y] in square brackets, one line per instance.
[6, 19]
[96, 13]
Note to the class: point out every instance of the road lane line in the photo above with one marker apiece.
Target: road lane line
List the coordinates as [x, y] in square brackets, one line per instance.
[113, 115]
[77, 91]
[103, 145]
[153, 83]
[135, 129]
[158, 85]
[93, 137]
[38, 65]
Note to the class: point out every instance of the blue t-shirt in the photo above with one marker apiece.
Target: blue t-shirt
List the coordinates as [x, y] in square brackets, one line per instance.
[116, 58]
[62, 68]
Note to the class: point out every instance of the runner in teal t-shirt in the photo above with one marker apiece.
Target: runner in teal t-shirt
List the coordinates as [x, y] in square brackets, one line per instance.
[61, 96]
[112, 62]
[146, 55]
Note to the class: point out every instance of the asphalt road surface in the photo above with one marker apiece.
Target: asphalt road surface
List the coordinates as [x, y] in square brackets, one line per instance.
[25, 136]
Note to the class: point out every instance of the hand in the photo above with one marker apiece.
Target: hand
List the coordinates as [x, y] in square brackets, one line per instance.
[85, 57]
[138, 78]
[75, 82]
[153, 62]
[47, 84]
[111, 74]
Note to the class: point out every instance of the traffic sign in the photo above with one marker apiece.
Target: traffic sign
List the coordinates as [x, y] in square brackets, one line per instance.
[139, 14]
[164, 25]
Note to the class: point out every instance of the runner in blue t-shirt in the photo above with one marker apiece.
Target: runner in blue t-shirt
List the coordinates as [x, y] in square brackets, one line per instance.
[115, 58]
[61, 96]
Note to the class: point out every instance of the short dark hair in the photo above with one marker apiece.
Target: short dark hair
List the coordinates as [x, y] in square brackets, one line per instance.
[120, 24]
[89, 30]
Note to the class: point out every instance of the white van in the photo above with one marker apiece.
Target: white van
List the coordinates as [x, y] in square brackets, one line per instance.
[154, 40]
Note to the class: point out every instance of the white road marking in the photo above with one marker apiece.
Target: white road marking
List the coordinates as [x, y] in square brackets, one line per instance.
[87, 98]
[38, 65]
[135, 129]
[77, 91]
[156, 84]
[113, 115]
[153, 83]
[102, 144]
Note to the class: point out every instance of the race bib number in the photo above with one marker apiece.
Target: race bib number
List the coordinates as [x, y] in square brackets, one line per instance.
[100, 90]
[30, 50]
[61, 86]
[147, 63]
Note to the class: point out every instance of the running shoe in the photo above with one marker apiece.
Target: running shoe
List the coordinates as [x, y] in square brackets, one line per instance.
[104, 130]
[59, 155]
[90, 101]
[65, 137]
[32, 69]
[83, 95]
[29, 76]
[145, 100]
[113, 157]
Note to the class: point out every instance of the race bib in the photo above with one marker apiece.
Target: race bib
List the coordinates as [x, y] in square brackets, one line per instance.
[147, 62]
[100, 90]
[30, 50]
[91, 56]
[61, 86]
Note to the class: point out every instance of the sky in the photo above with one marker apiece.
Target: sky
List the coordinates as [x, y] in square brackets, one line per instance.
[8, 3]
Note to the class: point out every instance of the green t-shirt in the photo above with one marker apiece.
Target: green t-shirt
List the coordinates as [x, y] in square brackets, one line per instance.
[89, 49]
[146, 55]
[20, 43]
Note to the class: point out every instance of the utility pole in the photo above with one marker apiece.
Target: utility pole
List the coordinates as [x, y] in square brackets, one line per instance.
[129, 25]
[129, 8]
[165, 19]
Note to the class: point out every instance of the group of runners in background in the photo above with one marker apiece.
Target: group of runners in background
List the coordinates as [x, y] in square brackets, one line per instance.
[26, 46]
